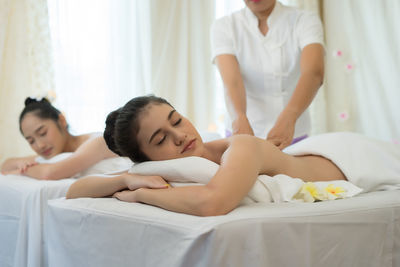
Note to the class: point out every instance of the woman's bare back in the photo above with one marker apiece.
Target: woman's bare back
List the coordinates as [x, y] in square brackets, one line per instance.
[309, 168]
[313, 168]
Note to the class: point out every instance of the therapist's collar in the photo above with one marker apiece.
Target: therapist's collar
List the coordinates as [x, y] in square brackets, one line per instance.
[272, 18]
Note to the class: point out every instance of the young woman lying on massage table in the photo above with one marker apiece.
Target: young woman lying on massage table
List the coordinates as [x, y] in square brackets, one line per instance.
[46, 130]
[149, 128]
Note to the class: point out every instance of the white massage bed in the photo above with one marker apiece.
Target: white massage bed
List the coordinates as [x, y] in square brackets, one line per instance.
[23, 209]
[23, 204]
[362, 230]
[359, 231]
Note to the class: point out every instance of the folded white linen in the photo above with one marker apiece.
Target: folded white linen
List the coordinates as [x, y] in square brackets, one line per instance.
[280, 188]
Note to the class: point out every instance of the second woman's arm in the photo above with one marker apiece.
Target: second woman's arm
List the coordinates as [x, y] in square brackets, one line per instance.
[89, 153]
[17, 165]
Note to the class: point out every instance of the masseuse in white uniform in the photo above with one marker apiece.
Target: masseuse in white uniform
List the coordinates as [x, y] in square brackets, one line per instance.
[271, 60]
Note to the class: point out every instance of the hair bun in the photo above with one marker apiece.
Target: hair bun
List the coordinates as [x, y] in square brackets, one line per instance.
[110, 130]
[31, 100]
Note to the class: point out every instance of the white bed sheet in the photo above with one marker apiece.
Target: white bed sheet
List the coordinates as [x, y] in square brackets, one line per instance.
[359, 231]
[23, 205]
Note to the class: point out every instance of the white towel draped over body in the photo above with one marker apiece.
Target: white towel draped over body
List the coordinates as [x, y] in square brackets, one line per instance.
[368, 164]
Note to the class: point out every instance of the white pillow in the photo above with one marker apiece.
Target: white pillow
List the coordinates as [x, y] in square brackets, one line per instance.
[183, 170]
[280, 188]
[108, 166]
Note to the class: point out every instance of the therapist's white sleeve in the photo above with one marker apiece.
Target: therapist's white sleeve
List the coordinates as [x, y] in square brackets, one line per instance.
[309, 29]
[221, 38]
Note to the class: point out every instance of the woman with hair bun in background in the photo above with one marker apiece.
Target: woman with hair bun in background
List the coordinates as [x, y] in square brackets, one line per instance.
[46, 130]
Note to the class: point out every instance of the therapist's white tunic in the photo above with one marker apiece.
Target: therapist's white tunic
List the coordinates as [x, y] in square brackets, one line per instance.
[270, 65]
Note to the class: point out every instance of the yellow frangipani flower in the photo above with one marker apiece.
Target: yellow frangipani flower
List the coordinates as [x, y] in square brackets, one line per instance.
[309, 192]
[312, 189]
[334, 190]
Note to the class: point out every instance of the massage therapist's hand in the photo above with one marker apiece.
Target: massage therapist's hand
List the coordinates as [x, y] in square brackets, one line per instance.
[135, 181]
[281, 135]
[241, 125]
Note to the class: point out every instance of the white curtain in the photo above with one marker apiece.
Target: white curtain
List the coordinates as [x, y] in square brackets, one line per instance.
[104, 53]
[363, 63]
[101, 57]
[181, 57]
[107, 52]
[25, 66]
[361, 90]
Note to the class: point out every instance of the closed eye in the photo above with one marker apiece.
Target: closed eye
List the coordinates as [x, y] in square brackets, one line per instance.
[162, 140]
[177, 122]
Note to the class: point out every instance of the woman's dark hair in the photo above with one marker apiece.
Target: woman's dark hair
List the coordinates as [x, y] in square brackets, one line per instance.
[122, 127]
[41, 108]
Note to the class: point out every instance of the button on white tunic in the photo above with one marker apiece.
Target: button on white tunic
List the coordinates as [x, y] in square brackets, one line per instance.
[270, 64]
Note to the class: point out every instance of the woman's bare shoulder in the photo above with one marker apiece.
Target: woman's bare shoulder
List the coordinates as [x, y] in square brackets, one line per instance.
[89, 136]
[223, 144]
[218, 144]
[94, 143]
[95, 137]
[215, 149]
[241, 143]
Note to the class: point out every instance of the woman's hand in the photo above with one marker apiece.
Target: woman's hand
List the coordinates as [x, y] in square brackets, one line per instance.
[281, 135]
[25, 164]
[242, 126]
[18, 165]
[22, 166]
[135, 181]
[127, 196]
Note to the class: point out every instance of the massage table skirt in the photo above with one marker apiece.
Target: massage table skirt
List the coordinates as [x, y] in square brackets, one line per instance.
[23, 205]
[359, 231]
